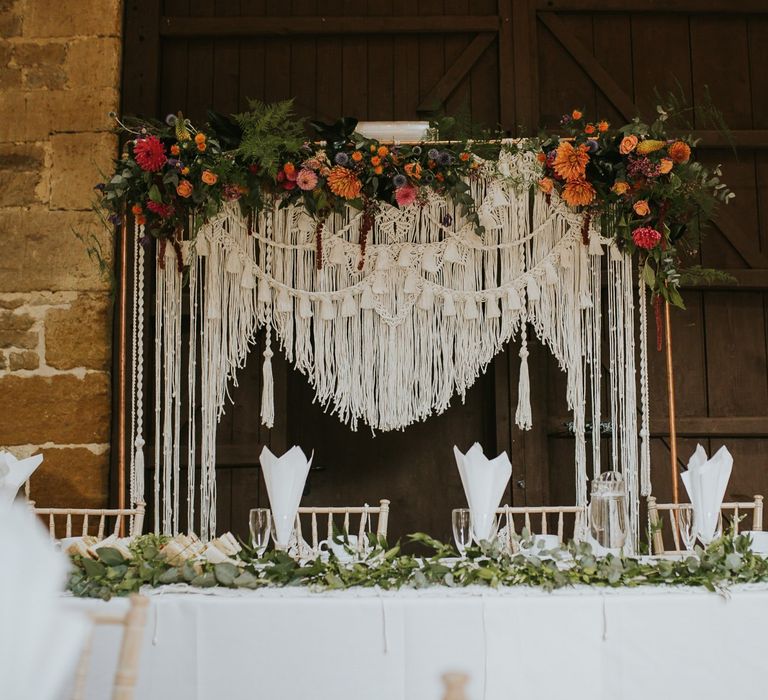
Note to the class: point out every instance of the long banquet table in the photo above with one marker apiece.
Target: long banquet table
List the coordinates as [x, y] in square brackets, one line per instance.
[596, 644]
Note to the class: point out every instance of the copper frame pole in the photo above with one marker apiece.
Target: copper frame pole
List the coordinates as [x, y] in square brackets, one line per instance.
[122, 362]
[671, 403]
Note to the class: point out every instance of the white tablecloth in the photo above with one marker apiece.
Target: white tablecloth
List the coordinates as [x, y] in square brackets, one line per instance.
[595, 644]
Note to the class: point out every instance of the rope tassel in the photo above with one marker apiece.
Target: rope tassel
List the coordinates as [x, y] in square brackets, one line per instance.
[523, 416]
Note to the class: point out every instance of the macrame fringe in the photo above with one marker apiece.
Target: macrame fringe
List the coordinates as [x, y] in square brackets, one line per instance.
[523, 416]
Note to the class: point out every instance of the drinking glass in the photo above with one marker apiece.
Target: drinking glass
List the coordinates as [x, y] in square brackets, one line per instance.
[462, 529]
[260, 523]
[686, 528]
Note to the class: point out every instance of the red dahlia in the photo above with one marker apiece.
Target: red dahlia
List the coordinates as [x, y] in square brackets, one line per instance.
[150, 154]
[646, 237]
[161, 209]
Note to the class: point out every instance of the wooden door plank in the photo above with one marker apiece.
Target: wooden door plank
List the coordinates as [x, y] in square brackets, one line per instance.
[454, 44]
[321, 26]
[437, 96]
[749, 7]
[608, 86]
[141, 72]
[406, 61]
[524, 60]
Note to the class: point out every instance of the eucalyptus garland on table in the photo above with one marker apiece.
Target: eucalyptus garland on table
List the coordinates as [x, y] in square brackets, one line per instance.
[149, 561]
[650, 187]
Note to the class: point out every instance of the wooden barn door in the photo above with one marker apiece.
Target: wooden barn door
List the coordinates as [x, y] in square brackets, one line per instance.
[512, 64]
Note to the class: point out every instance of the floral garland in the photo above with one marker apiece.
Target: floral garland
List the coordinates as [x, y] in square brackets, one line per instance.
[651, 192]
[155, 561]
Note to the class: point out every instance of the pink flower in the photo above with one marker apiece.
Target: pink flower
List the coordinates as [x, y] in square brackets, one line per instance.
[306, 179]
[161, 209]
[646, 237]
[405, 195]
[150, 154]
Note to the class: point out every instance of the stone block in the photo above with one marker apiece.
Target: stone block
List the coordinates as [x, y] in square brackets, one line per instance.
[3, 362]
[26, 359]
[74, 477]
[10, 18]
[9, 77]
[51, 77]
[58, 409]
[42, 252]
[38, 53]
[18, 339]
[10, 321]
[11, 303]
[79, 336]
[77, 165]
[20, 174]
[72, 18]
[93, 62]
[26, 157]
[33, 115]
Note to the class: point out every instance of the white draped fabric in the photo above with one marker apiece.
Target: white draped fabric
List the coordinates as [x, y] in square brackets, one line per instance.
[581, 644]
[390, 332]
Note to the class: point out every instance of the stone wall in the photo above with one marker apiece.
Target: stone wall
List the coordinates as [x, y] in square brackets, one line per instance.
[59, 79]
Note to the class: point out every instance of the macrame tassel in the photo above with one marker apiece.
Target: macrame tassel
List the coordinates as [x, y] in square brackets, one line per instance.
[412, 281]
[533, 291]
[383, 261]
[426, 299]
[264, 294]
[492, 309]
[595, 247]
[514, 302]
[449, 306]
[138, 467]
[367, 300]
[284, 303]
[327, 312]
[550, 273]
[451, 252]
[348, 306]
[234, 266]
[523, 416]
[267, 391]
[615, 254]
[470, 309]
[247, 281]
[305, 307]
[404, 259]
[429, 261]
[201, 245]
[380, 284]
[337, 256]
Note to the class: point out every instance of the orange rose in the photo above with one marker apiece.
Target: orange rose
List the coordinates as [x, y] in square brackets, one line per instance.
[589, 129]
[464, 156]
[603, 126]
[383, 151]
[641, 207]
[357, 156]
[546, 184]
[576, 114]
[289, 168]
[202, 146]
[136, 209]
[578, 193]
[175, 150]
[141, 219]
[620, 187]
[199, 138]
[680, 152]
[665, 165]
[375, 160]
[184, 188]
[209, 178]
[373, 148]
[541, 157]
[378, 170]
[413, 170]
[185, 171]
[628, 144]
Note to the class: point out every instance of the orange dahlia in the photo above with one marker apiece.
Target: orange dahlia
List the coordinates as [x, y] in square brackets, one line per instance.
[546, 184]
[570, 163]
[413, 170]
[344, 183]
[680, 152]
[578, 193]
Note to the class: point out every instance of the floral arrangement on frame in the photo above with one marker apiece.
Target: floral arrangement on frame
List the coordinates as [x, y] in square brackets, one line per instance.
[172, 176]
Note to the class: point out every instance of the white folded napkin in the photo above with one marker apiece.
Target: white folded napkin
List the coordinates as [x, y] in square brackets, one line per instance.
[14, 472]
[484, 481]
[285, 478]
[706, 481]
[40, 641]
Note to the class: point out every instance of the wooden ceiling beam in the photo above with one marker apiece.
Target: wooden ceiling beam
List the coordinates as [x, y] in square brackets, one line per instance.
[696, 7]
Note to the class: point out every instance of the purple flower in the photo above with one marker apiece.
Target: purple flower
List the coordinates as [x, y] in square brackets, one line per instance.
[444, 158]
[170, 119]
[432, 153]
[592, 145]
[341, 158]
[100, 187]
[447, 220]
[114, 219]
[643, 167]
[416, 150]
[174, 162]
[565, 119]
[399, 180]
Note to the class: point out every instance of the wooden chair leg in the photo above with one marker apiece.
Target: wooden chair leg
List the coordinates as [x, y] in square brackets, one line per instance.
[130, 649]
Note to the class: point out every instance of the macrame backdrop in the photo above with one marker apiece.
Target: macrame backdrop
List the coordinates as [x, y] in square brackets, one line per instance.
[389, 334]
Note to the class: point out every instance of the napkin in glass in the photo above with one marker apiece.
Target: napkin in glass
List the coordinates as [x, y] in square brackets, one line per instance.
[484, 481]
[706, 481]
[285, 478]
[13, 473]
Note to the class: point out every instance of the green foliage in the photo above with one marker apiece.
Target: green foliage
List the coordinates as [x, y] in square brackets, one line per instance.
[727, 561]
[270, 132]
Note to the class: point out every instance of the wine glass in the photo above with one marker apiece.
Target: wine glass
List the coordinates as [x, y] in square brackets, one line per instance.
[462, 529]
[260, 524]
[686, 528]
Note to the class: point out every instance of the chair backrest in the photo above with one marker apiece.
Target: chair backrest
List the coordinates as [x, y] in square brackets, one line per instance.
[322, 521]
[544, 520]
[657, 523]
[90, 518]
[133, 622]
